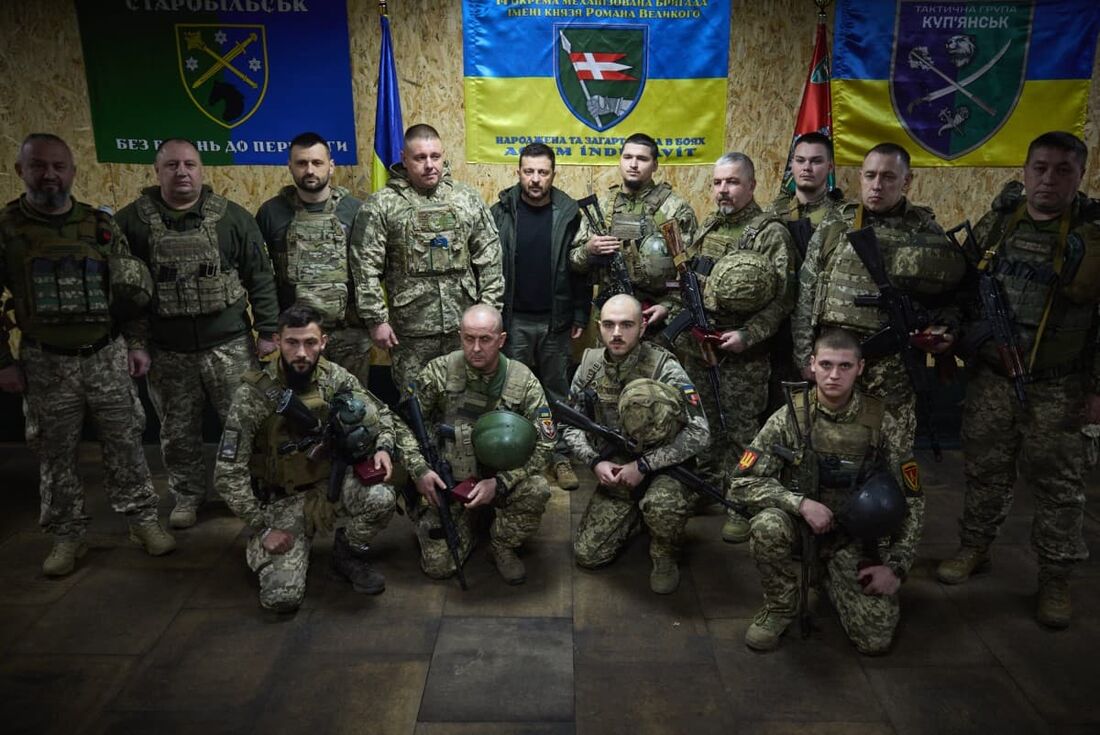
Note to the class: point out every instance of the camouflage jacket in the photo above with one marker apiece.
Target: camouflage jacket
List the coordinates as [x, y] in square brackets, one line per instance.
[608, 377]
[397, 238]
[528, 401]
[786, 206]
[247, 415]
[758, 479]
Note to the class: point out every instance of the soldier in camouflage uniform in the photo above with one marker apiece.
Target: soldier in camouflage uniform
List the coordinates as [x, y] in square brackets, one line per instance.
[456, 389]
[747, 263]
[919, 258]
[1041, 243]
[73, 283]
[432, 243]
[812, 199]
[281, 493]
[636, 209]
[851, 441]
[640, 389]
[209, 264]
[306, 228]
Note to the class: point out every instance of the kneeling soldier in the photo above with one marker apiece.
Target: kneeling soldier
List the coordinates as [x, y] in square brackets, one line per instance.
[826, 461]
[288, 425]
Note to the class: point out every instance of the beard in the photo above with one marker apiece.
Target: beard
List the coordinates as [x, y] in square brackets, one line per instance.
[297, 380]
[726, 209]
[316, 186]
[48, 200]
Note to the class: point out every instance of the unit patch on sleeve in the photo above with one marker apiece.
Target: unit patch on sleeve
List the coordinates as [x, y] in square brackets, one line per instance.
[227, 450]
[910, 473]
[748, 459]
[545, 423]
[690, 394]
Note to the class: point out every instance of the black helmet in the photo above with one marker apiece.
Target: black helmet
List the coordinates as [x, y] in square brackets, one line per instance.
[877, 509]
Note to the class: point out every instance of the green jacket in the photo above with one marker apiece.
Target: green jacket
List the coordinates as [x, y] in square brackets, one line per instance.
[571, 295]
[242, 247]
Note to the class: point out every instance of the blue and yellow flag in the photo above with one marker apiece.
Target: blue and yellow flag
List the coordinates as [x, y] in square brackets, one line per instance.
[581, 78]
[960, 83]
[388, 129]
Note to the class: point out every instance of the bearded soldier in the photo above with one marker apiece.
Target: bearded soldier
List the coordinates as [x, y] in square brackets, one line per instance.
[271, 476]
[640, 389]
[213, 286]
[1041, 245]
[73, 284]
[306, 229]
[636, 209]
[432, 243]
[844, 483]
[487, 400]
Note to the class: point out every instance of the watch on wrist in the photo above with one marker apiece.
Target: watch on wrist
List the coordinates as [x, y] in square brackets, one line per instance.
[643, 465]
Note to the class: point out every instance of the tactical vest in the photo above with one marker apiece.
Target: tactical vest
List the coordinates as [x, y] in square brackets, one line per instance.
[919, 262]
[432, 241]
[466, 402]
[187, 266]
[632, 226]
[1035, 266]
[62, 297]
[315, 261]
[608, 379]
[845, 450]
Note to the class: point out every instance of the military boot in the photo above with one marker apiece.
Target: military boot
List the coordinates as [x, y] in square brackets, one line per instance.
[966, 561]
[665, 577]
[508, 564]
[184, 515]
[767, 627]
[63, 556]
[1054, 609]
[736, 528]
[350, 563]
[566, 478]
[151, 536]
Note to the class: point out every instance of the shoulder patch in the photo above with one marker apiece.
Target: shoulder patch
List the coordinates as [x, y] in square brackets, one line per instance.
[690, 394]
[748, 459]
[227, 450]
[910, 474]
[545, 423]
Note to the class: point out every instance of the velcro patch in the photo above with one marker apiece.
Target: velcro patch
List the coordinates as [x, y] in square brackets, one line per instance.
[748, 459]
[227, 450]
[545, 423]
[690, 394]
[910, 474]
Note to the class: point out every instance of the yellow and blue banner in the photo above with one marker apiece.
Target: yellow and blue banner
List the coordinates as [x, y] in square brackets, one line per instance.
[389, 131]
[583, 77]
[960, 83]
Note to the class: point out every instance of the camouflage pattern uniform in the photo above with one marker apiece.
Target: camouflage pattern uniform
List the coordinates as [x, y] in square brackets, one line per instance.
[205, 261]
[72, 361]
[438, 254]
[919, 259]
[452, 392]
[841, 440]
[788, 208]
[1044, 439]
[632, 216]
[293, 487]
[611, 517]
[308, 245]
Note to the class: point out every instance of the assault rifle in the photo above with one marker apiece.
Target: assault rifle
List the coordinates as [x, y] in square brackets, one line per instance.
[414, 414]
[617, 442]
[904, 318]
[348, 442]
[805, 483]
[997, 318]
[694, 315]
[615, 264]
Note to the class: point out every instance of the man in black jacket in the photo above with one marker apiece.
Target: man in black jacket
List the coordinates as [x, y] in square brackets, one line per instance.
[545, 304]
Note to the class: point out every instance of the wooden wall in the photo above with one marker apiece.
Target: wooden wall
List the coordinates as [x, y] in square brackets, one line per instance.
[43, 88]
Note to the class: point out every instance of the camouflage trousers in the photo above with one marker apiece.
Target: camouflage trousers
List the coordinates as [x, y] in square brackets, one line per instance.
[612, 518]
[1045, 443]
[283, 576]
[413, 353]
[179, 384]
[515, 519]
[350, 349]
[59, 391]
[869, 621]
[885, 378]
[531, 342]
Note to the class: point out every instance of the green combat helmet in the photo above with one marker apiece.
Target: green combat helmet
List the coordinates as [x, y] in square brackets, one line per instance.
[876, 510]
[651, 413]
[657, 267]
[503, 440]
[742, 281]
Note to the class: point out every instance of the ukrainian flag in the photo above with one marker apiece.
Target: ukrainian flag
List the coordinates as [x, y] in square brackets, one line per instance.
[956, 83]
[389, 132]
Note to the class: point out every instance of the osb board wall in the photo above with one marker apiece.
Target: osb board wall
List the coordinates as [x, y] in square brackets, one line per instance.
[43, 88]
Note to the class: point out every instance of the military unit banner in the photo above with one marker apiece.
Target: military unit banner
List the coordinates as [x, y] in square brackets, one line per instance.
[960, 83]
[238, 77]
[582, 75]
